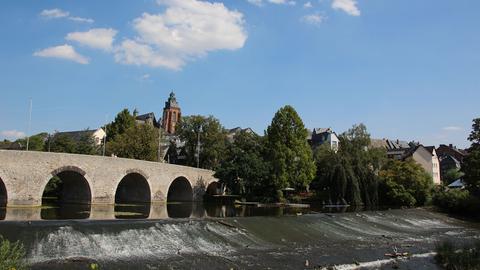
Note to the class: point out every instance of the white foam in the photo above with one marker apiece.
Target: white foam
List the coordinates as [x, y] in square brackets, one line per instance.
[164, 240]
[377, 263]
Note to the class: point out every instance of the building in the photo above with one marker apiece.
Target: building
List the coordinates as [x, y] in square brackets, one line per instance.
[171, 114]
[447, 163]
[396, 149]
[450, 158]
[451, 150]
[97, 135]
[321, 136]
[231, 133]
[148, 118]
[427, 157]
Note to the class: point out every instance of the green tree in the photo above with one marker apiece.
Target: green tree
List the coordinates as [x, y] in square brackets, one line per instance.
[36, 142]
[137, 142]
[123, 121]
[243, 170]
[471, 164]
[351, 174]
[62, 143]
[452, 175]
[86, 145]
[405, 183]
[287, 150]
[365, 163]
[212, 140]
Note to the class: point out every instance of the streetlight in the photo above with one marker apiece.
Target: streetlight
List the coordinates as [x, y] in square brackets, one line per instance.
[105, 137]
[29, 123]
[198, 146]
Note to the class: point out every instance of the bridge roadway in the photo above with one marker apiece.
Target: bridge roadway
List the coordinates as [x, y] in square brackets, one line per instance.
[98, 180]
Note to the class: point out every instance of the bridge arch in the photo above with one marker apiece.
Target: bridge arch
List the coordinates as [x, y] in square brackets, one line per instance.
[214, 188]
[133, 188]
[3, 193]
[70, 184]
[180, 190]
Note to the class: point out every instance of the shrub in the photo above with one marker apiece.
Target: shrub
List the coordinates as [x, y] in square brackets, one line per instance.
[404, 183]
[451, 257]
[12, 255]
[457, 201]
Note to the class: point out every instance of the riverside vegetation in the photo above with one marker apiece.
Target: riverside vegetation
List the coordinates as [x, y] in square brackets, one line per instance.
[262, 168]
[12, 255]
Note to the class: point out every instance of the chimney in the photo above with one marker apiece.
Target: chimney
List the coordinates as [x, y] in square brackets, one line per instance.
[450, 145]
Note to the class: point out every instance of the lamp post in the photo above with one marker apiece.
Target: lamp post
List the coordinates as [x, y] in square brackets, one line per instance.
[160, 143]
[29, 124]
[105, 137]
[198, 146]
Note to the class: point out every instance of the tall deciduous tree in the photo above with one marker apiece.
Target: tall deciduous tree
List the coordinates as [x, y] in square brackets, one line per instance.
[137, 142]
[349, 175]
[212, 138]
[471, 164]
[123, 121]
[243, 170]
[287, 150]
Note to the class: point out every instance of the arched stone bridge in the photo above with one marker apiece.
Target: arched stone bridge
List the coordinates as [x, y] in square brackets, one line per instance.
[98, 180]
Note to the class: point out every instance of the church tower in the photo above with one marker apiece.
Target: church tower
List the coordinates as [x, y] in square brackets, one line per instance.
[171, 114]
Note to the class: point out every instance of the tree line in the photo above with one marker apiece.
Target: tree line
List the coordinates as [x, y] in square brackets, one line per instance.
[280, 164]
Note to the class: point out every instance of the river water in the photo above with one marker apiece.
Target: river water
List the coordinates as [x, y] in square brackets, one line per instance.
[225, 237]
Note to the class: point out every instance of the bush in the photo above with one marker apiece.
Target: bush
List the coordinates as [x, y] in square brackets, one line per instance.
[404, 183]
[451, 257]
[12, 255]
[457, 201]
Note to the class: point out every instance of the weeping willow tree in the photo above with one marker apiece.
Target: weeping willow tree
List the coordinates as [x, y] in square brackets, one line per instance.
[349, 176]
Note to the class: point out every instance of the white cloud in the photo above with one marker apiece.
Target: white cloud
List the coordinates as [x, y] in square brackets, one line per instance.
[452, 128]
[349, 6]
[54, 13]
[308, 5]
[63, 52]
[186, 30]
[314, 19]
[80, 19]
[256, 2]
[134, 53]
[282, 2]
[97, 38]
[57, 13]
[12, 134]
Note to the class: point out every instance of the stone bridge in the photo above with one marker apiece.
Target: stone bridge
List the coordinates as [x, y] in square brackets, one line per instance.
[98, 180]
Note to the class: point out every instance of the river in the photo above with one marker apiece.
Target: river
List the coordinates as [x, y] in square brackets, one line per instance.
[227, 237]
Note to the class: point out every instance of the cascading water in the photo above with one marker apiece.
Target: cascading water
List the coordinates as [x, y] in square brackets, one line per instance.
[260, 242]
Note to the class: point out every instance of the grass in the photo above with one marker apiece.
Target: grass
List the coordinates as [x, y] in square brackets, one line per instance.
[12, 255]
[453, 257]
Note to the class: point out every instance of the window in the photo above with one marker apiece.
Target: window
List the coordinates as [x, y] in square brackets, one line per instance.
[174, 117]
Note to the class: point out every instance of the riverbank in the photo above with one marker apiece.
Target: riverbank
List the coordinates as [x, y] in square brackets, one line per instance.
[311, 241]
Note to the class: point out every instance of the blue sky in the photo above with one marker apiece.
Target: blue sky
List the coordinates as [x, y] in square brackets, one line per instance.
[407, 69]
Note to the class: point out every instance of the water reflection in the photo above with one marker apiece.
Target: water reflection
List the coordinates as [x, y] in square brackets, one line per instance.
[132, 211]
[56, 211]
[180, 209]
[65, 211]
